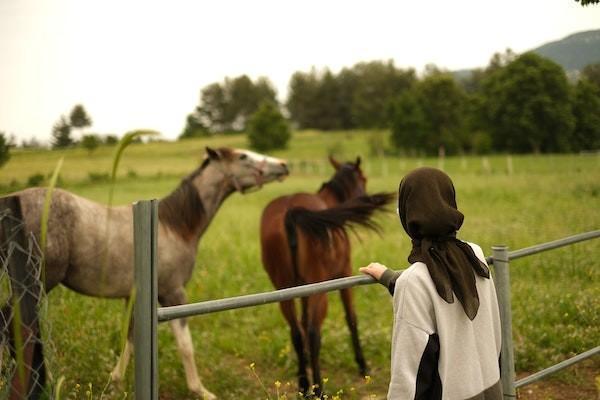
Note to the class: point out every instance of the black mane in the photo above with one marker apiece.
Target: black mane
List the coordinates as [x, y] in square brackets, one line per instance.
[182, 210]
[343, 182]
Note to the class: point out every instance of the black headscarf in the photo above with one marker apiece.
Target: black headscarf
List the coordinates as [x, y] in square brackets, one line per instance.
[427, 209]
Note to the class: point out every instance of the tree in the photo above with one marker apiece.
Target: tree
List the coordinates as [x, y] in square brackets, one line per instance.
[227, 106]
[377, 85]
[586, 2]
[586, 109]
[79, 118]
[90, 142]
[314, 100]
[408, 123]
[268, 129]
[443, 103]
[592, 73]
[303, 102]
[527, 106]
[61, 134]
[193, 128]
[4, 149]
[111, 140]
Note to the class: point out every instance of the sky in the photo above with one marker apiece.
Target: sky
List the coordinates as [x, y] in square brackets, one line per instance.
[142, 64]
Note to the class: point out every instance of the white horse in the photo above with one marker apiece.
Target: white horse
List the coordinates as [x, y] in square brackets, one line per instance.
[77, 243]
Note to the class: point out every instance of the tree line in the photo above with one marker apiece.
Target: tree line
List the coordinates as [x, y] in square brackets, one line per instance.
[518, 103]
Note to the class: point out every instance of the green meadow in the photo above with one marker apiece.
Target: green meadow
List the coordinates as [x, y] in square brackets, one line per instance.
[517, 200]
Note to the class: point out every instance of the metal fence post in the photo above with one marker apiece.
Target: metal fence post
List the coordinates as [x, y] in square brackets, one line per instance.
[507, 359]
[145, 218]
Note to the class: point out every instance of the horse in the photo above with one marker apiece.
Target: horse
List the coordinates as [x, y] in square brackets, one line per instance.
[76, 241]
[304, 240]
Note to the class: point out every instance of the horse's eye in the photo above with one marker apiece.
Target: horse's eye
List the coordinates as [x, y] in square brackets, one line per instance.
[243, 156]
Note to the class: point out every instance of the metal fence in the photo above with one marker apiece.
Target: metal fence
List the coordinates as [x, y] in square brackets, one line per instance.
[147, 314]
[22, 366]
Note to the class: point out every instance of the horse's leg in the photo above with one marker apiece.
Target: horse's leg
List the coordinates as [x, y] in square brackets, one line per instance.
[183, 338]
[118, 372]
[314, 312]
[353, 326]
[288, 310]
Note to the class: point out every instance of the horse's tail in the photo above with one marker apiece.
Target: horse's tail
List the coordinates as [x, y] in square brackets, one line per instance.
[319, 224]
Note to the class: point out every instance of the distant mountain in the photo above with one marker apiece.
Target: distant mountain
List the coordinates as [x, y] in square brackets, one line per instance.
[573, 52]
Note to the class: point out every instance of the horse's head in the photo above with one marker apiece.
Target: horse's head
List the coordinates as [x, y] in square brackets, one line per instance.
[246, 169]
[348, 181]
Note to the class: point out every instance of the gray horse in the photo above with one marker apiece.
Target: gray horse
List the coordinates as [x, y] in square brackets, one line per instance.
[78, 244]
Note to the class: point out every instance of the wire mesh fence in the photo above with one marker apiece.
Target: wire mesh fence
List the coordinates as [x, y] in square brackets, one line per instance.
[24, 331]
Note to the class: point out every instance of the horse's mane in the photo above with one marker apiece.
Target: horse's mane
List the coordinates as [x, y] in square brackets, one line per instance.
[182, 210]
[343, 182]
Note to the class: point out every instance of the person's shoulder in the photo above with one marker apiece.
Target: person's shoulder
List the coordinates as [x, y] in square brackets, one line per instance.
[415, 275]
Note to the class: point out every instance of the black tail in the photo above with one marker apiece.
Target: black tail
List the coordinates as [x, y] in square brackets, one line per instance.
[318, 224]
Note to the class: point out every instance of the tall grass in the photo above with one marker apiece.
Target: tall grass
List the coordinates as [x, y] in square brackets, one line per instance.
[521, 202]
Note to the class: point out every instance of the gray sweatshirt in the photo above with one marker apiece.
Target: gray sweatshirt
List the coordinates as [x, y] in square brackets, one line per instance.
[437, 352]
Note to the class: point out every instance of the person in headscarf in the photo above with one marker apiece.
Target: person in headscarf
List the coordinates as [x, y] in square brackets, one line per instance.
[446, 333]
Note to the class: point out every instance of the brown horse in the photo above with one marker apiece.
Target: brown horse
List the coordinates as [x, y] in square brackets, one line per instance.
[304, 241]
[76, 240]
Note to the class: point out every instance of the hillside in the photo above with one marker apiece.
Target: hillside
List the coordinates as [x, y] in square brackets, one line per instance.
[575, 51]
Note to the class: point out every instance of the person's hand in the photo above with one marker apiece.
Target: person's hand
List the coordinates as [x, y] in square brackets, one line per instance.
[374, 269]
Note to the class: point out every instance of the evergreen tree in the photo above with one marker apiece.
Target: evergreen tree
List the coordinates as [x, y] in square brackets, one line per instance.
[79, 118]
[61, 134]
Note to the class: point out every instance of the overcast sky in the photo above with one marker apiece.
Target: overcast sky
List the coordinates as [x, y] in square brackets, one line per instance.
[141, 64]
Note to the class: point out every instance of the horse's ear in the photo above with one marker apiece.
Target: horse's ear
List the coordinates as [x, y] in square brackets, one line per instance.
[213, 154]
[334, 162]
[357, 163]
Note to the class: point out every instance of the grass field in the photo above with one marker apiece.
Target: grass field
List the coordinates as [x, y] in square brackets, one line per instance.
[518, 201]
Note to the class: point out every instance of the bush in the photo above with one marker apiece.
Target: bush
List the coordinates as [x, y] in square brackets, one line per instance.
[111, 140]
[97, 177]
[35, 180]
[268, 129]
[90, 142]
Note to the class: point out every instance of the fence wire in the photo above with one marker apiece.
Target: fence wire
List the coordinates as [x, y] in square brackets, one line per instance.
[26, 351]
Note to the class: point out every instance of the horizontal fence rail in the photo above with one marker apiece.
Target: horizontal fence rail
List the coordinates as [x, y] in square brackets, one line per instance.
[538, 248]
[231, 303]
[557, 367]
[206, 307]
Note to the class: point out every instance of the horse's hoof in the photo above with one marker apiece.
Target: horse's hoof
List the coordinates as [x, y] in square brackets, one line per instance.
[203, 393]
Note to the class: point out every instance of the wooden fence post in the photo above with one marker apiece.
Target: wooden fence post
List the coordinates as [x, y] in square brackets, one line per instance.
[145, 219]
